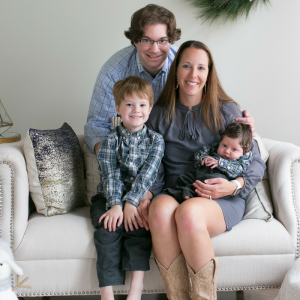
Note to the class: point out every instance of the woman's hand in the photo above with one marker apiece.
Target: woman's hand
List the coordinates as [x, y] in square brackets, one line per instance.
[112, 218]
[131, 217]
[143, 209]
[215, 187]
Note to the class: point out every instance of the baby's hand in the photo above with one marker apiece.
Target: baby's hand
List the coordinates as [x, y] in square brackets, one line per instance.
[131, 217]
[112, 217]
[210, 162]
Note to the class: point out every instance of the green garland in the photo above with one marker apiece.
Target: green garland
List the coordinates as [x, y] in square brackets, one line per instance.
[225, 10]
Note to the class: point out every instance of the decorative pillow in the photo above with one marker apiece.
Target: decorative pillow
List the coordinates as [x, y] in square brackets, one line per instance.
[92, 177]
[259, 201]
[55, 170]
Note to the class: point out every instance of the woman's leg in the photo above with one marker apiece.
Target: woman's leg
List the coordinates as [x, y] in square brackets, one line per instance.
[163, 229]
[198, 219]
[170, 261]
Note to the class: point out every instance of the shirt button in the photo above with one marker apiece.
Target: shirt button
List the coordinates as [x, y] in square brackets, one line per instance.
[131, 178]
[124, 137]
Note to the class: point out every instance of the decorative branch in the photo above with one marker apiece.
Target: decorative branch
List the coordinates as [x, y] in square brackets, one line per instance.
[225, 10]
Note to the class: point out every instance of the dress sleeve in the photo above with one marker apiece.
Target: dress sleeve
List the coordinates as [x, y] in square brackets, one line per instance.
[147, 176]
[153, 124]
[102, 107]
[110, 173]
[254, 173]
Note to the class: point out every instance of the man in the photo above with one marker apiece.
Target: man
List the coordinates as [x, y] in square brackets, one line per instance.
[152, 33]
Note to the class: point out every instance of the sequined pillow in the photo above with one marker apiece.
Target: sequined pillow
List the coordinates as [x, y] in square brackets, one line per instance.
[55, 170]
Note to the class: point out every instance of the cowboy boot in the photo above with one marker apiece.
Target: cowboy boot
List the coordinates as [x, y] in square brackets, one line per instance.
[176, 279]
[204, 282]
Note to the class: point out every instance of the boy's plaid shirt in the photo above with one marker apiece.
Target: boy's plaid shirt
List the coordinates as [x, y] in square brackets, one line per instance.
[128, 164]
[232, 167]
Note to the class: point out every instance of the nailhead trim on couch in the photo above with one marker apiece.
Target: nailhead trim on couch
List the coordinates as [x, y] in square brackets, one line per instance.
[11, 223]
[295, 207]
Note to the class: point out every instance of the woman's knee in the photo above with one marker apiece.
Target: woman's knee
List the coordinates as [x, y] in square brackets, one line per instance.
[190, 216]
[162, 212]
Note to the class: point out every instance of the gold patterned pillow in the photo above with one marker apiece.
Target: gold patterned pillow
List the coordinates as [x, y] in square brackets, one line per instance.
[55, 169]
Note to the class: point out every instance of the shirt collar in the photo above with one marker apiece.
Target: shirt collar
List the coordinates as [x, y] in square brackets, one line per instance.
[126, 135]
[141, 69]
[180, 105]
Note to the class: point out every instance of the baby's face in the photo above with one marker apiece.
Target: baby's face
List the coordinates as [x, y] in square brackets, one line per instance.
[230, 148]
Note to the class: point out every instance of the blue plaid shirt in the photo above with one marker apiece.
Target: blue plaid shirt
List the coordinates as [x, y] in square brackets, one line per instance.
[122, 64]
[232, 167]
[128, 164]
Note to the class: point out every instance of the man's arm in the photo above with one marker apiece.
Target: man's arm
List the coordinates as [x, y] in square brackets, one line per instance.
[102, 107]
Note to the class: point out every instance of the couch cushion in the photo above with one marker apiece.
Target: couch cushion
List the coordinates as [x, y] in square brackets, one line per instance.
[254, 237]
[92, 177]
[67, 236]
[70, 236]
[55, 170]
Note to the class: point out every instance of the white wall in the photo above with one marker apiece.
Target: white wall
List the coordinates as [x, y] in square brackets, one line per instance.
[52, 50]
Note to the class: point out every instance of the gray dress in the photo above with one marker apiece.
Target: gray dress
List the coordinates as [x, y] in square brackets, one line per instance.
[183, 136]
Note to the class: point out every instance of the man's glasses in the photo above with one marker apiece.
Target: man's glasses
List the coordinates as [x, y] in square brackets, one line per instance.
[160, 43]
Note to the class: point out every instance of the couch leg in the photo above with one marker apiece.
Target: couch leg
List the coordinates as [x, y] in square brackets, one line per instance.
[240, 295]
[20, 298]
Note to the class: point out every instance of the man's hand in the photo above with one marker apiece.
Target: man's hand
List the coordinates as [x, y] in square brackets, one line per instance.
[210, 162]
[112, 218]
[131, 217]
[96, 148]
[215, 187]
[247, 119]
[143, 209]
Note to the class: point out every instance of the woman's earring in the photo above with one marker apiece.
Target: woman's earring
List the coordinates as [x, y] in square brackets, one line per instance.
[205, 88]
[176, 85]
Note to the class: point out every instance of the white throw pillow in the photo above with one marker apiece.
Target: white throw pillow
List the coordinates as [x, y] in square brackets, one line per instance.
[259, 201]
[55, 170]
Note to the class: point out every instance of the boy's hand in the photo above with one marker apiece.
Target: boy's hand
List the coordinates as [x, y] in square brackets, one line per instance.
[210, 162]
[131, 217]
[112, 218]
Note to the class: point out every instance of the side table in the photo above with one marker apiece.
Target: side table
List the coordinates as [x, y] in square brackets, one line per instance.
[9, 137]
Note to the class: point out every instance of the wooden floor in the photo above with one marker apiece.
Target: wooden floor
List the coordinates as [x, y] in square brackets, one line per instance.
[249, 295]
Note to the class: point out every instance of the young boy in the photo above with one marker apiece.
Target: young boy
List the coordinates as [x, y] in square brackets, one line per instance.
[129, 158]
[228, 160]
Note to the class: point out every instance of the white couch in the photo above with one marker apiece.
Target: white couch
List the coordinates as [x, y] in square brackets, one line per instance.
[58, 252]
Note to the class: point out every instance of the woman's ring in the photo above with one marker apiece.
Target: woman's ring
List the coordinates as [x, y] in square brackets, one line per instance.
[209, 197]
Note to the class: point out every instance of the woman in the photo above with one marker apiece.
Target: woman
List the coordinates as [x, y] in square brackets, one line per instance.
[192, 111]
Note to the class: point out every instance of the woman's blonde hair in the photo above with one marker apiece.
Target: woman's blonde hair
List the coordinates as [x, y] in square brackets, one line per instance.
[212, 100]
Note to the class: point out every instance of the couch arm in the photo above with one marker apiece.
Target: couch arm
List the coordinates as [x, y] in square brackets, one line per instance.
[284, 176]
[14, 193]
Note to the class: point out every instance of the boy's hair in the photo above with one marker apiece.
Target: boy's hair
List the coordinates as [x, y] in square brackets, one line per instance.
[130, 85]
[240, 131]
[150, 15]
